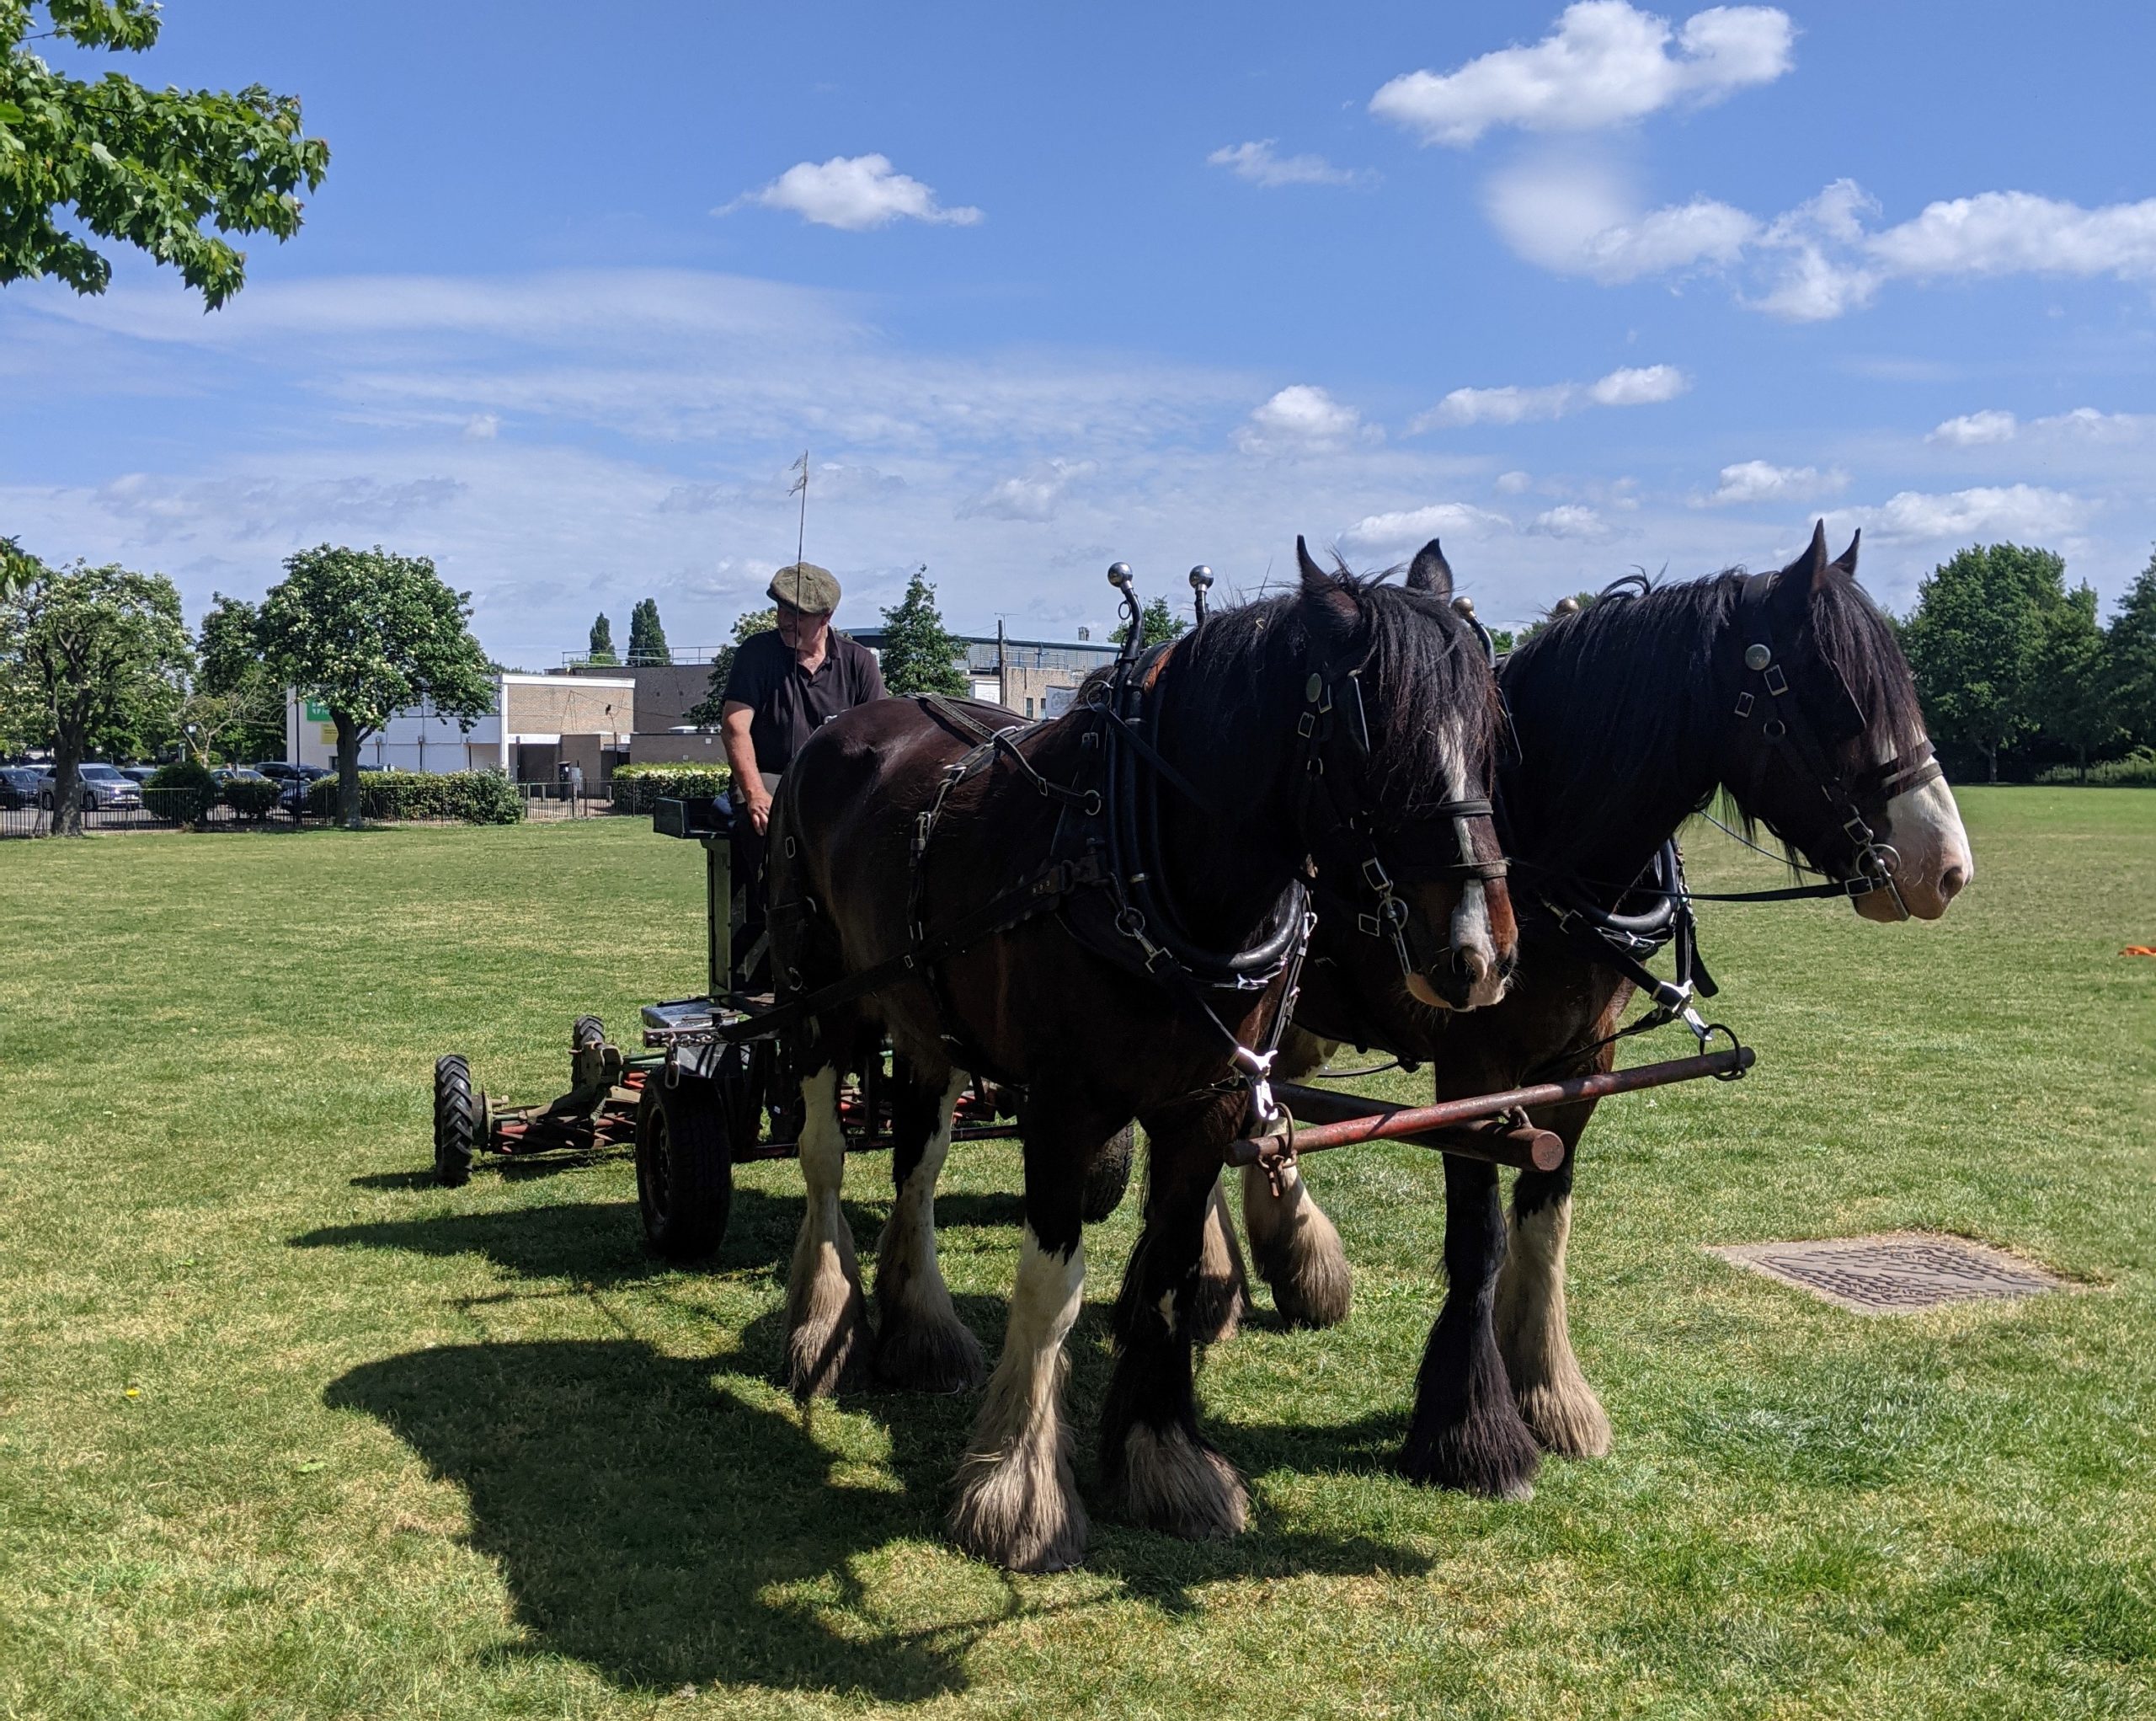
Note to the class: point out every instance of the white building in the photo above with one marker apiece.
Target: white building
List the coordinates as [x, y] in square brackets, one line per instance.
[551, 721]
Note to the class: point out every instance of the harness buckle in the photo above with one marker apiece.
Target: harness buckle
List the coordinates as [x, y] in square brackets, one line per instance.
[1376, 876]
[1777, 682]
[1744, 703]
[1306, 725]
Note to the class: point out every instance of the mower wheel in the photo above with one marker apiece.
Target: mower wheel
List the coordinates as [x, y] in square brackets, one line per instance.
[460, 1119]
[685, 1167]
[587, 1030]
[1109, 1177]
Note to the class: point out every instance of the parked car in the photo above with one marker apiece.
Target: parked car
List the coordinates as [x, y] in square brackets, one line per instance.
[141, 774]
[22, 786]
[106, 788]
[285, 772]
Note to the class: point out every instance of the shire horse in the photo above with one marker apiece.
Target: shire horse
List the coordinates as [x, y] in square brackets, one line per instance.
[1343, 723]
[1786, 691]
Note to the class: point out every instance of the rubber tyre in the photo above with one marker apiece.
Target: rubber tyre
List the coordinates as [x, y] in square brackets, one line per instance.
[458, 1122]
[587, 1029]
[1108, 1180]
[685, 1167]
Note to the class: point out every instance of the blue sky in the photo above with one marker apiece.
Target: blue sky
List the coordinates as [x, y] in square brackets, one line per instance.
[1575, 289]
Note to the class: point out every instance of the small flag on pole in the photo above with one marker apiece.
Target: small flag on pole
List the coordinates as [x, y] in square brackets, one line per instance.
[800, 483]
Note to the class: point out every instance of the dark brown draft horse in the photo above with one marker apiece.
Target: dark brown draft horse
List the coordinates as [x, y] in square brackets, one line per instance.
[1350, 724]
[1788, 691]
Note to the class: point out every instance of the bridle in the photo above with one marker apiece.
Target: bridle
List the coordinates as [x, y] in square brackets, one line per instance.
[1343, 834]
[1855, 801]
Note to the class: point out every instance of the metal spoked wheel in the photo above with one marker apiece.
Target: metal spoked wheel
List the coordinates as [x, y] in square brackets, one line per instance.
[1108, 1179]
[685, 1167]
[460, 1121]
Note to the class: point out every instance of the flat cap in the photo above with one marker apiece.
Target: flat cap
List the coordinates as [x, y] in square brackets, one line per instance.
[805, 586]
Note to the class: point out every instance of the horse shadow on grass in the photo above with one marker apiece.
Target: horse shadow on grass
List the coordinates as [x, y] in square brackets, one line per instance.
[668, 1521]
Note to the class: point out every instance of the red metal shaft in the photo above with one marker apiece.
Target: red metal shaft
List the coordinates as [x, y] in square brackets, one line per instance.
[1374, 1120]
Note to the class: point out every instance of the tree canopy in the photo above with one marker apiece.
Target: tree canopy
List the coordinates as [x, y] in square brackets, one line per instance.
[368, 633]
[647, 638]
[919, 655]
[144, 167]
[602, 650]
[1976, 641]
[2130, 659]
[92, 659]
[1157, 624]
[235, 706]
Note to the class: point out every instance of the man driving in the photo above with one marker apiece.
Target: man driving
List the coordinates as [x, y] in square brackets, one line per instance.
[784, 686]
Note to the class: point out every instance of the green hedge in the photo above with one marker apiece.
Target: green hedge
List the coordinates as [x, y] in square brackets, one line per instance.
[182, 793]
[2138, 770]
[636, 787]
[251, 800]
[476, 797]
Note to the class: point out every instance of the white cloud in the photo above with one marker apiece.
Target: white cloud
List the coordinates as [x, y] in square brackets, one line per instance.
[1648, 385]
[1033, 497]
[1758, 481]
[482, 427]
[854, 193]
[1411, 528]
[2086, 422]
[1570, 519]
[1819, 260]
[1606, 62]
[1511, 484]
[1257, 164]
[1580, 217]
[2023, 511]
[1973, 429]
[1301, 417]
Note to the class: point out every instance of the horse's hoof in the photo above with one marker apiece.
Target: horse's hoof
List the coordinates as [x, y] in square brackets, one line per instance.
[1494, 1456]
[1174, 1484]
[1567, 1420]
[1216, 1310]
[828, 1342]
[919, 1355]
[1019, 1508]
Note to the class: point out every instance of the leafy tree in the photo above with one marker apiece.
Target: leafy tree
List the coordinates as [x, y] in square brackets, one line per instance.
[146, 167]
[234, 707]
[1500, 640]
[368, 633]
[706, 712]
[1157, 624]
[602, 642]
[91, 658]
[2073, 701]
[2130, 654]
[919, 655]
[647, 638]
[1975, 640]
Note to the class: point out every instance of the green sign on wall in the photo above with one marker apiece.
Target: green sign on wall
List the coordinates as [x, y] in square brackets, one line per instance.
[316, 712]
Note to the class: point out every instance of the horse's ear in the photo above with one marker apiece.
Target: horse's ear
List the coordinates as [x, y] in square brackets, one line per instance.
[1806, 575]
[1845, 562]
[1331, 609]
[1430, 572]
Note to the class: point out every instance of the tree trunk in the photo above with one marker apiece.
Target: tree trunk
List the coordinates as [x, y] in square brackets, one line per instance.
[348, 770]
[67, 781]
[2081, 754]
[1991, 754]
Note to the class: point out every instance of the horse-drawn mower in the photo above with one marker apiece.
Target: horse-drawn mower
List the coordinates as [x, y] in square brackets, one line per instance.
[707, 1093]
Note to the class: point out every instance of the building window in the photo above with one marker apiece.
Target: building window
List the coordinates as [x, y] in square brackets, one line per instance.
[1029, 707]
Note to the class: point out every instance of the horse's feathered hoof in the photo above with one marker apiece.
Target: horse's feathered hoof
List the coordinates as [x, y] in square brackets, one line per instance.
[1175, 1483]
[1567, 1419]
[1490, 1453]
[828, 1341]
[1018, 1507]
[1215, 1307]
[916, 1354]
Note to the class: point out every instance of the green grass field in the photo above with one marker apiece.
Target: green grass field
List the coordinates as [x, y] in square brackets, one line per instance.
[284, 1430]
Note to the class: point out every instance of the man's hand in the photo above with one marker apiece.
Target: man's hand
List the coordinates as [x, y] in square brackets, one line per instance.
[741, 754]
[759, 804]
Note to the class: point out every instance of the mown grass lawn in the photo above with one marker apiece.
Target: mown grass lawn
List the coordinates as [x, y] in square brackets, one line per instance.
[286, 1432]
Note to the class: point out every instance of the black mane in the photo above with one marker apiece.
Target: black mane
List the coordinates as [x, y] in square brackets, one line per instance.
[1241, 674]
[1620, 708]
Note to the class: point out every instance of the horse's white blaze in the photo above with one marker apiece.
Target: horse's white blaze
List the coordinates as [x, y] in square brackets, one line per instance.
[1923, 827]
[1472, 939]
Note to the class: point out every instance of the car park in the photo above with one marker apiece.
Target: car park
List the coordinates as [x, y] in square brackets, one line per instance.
[22, 786]
[104, 788]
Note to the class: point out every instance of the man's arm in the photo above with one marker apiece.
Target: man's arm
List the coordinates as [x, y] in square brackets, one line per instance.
[734, 717]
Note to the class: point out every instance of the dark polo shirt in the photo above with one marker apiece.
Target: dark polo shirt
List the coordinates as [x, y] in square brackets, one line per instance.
[789, 705]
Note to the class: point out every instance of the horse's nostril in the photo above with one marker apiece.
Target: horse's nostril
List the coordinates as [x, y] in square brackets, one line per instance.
[1950, 883]
[1473, 962]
